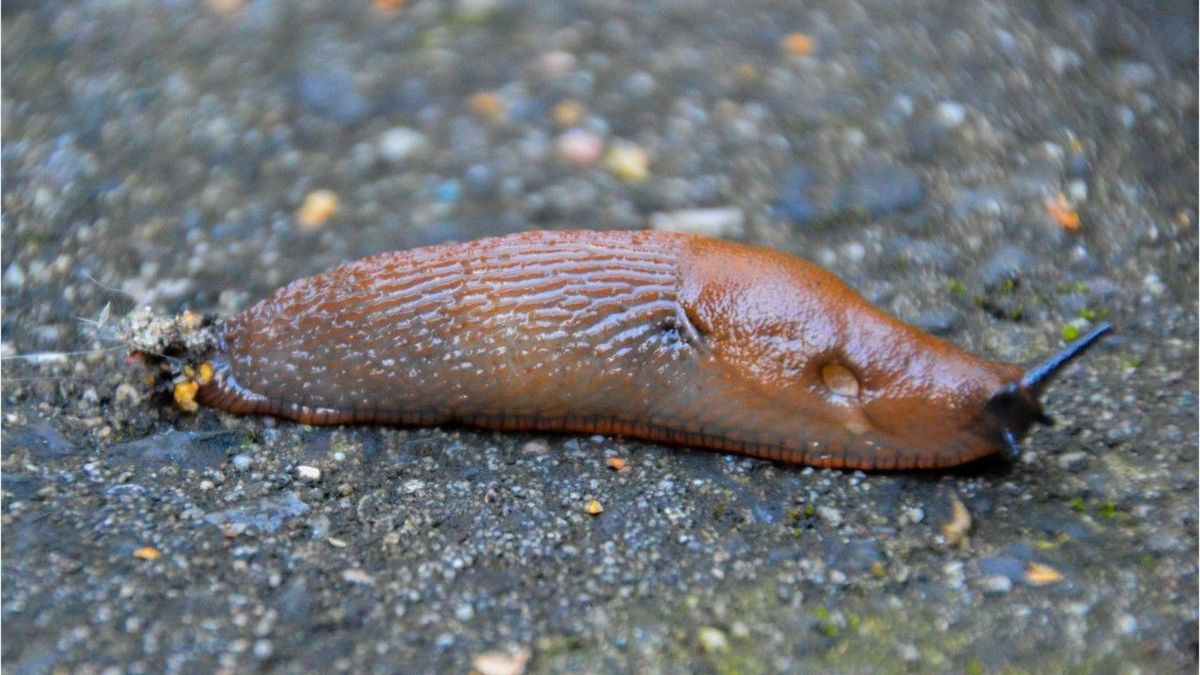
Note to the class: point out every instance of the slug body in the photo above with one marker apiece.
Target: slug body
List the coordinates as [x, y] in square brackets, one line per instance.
[657, 336]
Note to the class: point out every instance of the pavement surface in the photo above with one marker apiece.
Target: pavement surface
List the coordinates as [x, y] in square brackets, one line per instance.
[1002, 174]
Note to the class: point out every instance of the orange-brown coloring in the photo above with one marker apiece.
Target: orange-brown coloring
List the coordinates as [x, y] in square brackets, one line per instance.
[663, 337]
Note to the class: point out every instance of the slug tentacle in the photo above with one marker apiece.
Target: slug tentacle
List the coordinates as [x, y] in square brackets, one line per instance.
[1038, 377]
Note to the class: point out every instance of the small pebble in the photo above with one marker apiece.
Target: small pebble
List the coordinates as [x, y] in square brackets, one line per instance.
[1126, 624]
[448, 191]
[308, 474]
[355, 575]
[262, 649]
[318, 207]
[594, 508]
[476, 10]
[489, 106]
[995, 584]
[950, 115]
[799, 44]
[568, 114]
[831, 516]
[712, 639]
[242, 462]
[501, 662]
[719, 222]
[628, 161]
[579, 146]
[556, 64]
[1071, 460]
[640, 84]
[399, 143]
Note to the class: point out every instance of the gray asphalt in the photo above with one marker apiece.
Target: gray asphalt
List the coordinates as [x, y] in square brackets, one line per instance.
[1003, 174]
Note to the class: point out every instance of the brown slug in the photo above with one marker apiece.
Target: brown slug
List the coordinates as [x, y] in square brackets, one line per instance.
[663, 337]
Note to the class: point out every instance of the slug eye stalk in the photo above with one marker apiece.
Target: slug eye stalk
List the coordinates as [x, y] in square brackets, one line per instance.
[1017, 405]
[1036, 379]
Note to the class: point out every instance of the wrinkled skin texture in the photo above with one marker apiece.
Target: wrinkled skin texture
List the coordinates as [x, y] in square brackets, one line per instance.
[664, 337]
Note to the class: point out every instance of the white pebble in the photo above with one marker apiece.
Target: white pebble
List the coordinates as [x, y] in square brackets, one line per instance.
[1126, 624]
[713, 639]
[914, 514]
[1154, 284]
[830, 515]
[718, 222]
[355, 575]
[14, 277]
[580, 146]
[309, 474]
[995, 585]
[951, 115]
[399, 143]
[855, 251]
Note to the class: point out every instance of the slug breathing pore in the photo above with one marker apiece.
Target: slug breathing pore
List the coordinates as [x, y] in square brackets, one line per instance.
[657, 336]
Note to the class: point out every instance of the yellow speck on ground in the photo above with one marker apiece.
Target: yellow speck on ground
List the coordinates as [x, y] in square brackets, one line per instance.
[594, 508]
[628, 161]
[318, 207]
[204, 373]
[185, 395]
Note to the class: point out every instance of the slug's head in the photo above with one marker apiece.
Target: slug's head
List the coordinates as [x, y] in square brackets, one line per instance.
[971, 408]
[842, 384]
[1015, 408]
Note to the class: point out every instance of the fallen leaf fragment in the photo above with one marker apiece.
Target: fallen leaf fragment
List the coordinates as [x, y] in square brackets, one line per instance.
[956, 529]
[147, 553]
[1064, 214]
[1037, 574]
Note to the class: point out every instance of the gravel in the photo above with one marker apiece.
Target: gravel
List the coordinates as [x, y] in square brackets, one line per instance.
[996, 173]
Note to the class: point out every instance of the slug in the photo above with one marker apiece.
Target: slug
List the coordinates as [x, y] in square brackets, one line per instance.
[657, 336]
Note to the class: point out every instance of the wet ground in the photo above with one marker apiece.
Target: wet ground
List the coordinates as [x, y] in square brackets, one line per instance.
[1002, 174]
